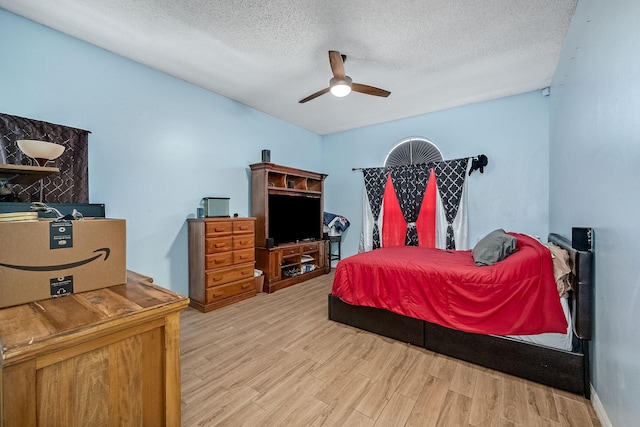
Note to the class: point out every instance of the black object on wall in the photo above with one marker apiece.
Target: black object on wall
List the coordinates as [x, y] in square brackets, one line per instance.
[479, 163]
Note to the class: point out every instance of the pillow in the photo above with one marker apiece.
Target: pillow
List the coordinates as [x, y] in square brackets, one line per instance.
[494, 247]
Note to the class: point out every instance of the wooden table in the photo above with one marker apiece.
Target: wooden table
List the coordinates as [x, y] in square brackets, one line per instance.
[98, 358]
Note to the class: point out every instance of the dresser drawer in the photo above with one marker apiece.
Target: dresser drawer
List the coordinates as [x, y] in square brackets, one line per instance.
[243, 241]
[312, 247]
[228, 274]
[218, 293]
[244, 255]
[221, 259]
[243, 226]
[218, 244]
[290, 251]
[217, 228]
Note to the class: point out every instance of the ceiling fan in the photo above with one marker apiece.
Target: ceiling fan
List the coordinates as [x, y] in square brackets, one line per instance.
[340, 84]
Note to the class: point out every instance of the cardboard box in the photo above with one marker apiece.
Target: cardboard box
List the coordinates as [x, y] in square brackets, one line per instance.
[43, 259]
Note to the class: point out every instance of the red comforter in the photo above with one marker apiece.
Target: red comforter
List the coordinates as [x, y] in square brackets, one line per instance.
[516, 296]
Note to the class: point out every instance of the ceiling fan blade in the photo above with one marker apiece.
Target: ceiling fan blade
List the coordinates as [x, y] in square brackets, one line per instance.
[369, 90]
[315, 95]
[337, 66]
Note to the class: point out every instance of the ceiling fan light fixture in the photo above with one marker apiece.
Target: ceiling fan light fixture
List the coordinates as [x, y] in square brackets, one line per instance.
[341, 84]
[340, 87]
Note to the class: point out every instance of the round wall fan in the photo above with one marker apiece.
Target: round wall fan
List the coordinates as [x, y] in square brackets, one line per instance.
[413, 151]
[340, 84]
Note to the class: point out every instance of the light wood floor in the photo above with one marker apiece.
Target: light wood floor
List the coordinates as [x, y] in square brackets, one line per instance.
[276, 360]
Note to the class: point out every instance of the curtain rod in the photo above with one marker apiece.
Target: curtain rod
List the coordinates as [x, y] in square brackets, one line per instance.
[378, 167]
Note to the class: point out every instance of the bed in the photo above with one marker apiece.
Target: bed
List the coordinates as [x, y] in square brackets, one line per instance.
[478, 339]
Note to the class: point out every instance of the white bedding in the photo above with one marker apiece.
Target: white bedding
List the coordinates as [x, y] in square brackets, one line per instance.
[555, 340]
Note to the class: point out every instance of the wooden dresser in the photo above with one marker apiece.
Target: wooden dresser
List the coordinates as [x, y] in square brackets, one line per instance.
[104, 357]
[221, 261]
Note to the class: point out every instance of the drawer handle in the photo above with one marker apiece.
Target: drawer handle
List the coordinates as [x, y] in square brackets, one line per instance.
[247, 285]
[217, 278]
[244, 256]
[220, 245]
[219, 261]
[244, 273]
[218, 294]
[218, 230]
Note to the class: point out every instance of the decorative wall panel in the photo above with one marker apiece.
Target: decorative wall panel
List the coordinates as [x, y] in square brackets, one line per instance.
[71, 185]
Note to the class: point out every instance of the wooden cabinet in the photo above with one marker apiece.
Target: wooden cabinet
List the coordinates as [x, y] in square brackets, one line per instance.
[99, 358]
[221, 261]
[292, 260]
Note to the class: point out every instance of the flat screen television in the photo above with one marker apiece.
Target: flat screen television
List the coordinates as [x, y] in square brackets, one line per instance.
[294, 218]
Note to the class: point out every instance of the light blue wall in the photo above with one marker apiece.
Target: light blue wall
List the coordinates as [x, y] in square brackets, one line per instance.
[513, 191]
[595, 173]
[158, 144]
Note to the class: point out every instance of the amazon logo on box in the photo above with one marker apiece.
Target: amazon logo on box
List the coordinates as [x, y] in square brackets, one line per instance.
[43, 259]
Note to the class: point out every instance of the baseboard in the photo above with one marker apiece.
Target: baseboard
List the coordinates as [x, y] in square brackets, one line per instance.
[599, 409]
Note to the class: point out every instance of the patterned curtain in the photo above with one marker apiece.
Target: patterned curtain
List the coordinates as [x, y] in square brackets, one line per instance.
[410, 183]
[409, 186]
[374, 180]
[71, 185]
[450, 176]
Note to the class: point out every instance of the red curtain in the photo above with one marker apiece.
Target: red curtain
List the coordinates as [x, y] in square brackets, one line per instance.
[426, 223]
[394, 227]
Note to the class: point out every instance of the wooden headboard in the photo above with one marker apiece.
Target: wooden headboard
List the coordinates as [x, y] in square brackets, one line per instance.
[582, 295]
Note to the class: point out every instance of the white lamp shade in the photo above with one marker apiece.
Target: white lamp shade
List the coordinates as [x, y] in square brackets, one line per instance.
[340, 90]
[340, 87]
[42, 151]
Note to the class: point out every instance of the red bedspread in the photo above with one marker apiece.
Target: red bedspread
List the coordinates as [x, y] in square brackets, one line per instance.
[516, 296]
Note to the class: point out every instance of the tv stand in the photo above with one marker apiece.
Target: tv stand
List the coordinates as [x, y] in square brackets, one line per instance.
[290, 263]
[285, 264]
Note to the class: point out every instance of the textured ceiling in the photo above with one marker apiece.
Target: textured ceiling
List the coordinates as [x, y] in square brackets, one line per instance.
[431, 54]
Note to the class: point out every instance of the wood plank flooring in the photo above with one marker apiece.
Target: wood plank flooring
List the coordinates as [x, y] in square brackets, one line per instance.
[276, 360]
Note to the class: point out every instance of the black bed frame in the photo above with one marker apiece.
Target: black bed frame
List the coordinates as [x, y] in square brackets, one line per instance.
[566, 370]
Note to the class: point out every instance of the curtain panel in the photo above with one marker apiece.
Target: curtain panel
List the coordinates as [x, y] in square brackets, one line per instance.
[71, 185]
[416, 205]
